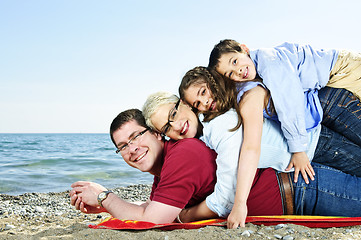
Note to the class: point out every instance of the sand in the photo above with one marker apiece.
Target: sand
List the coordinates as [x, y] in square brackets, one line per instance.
[50, 216]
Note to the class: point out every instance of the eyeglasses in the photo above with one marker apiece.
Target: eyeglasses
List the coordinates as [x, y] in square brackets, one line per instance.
[134, 139]
[171, 118]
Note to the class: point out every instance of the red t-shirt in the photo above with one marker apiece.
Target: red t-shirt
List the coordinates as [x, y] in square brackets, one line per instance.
[188, 174]
[265, 196]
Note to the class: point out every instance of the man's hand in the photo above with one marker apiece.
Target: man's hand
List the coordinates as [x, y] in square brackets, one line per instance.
[302, 164]
[85, 193]
[76, 201]
[84, 196]
[89, 209]
[237, 217]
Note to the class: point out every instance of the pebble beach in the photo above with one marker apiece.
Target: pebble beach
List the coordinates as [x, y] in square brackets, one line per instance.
[50, 216]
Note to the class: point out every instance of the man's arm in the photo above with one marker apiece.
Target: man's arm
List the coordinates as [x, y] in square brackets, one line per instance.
[84, 198]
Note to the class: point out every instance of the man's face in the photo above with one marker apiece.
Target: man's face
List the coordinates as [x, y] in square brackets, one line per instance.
[144, 152]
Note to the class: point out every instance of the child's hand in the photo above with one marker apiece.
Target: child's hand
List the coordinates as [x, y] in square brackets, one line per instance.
[185, 216]
[302, 164]
[237, 217]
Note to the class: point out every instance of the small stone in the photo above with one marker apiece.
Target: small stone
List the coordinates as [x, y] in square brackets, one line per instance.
[9, 227]
[277, 236]
[279, 226]
[39, 209]
[58, 213]
[246, 233]
[288, 237]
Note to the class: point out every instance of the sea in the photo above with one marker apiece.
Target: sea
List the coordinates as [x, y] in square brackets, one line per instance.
[52, 162]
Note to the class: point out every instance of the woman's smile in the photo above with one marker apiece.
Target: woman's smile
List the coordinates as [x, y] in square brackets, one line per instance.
[185, 128]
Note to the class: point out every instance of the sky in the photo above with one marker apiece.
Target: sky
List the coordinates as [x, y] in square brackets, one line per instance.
[71, 66]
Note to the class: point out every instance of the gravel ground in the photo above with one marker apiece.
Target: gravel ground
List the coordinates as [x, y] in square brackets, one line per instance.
[50, 216]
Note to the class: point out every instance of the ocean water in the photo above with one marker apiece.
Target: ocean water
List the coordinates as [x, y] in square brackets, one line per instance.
[52, 162]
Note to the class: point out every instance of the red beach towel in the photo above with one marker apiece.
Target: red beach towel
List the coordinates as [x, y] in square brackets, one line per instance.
[308, 221]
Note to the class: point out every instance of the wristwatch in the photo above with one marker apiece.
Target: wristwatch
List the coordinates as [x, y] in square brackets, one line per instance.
[102, 196]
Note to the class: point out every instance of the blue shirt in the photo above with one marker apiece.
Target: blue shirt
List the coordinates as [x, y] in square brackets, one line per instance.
[293, 73]
[274, 153]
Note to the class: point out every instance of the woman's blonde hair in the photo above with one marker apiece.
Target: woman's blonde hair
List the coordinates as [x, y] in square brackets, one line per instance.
[153, 102]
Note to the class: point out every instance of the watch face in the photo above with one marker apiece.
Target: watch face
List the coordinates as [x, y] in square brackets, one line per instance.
[102, 195]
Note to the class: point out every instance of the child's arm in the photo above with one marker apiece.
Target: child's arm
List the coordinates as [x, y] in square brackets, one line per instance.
[197, 212]
[251, 108]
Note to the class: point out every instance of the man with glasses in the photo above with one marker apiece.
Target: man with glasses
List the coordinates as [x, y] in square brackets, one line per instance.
[184, 172]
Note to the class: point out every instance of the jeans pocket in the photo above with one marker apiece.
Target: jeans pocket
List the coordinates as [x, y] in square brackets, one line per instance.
[348, 99]
[351, 103]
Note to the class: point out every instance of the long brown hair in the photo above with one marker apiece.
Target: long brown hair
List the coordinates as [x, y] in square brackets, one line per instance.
[223, 90]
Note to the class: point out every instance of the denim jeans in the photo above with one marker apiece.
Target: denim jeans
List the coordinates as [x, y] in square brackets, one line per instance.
[337, 151]
[332, 193]
[341, 112]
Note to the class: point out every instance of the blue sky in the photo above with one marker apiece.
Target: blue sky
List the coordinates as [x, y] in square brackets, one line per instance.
[72, 66]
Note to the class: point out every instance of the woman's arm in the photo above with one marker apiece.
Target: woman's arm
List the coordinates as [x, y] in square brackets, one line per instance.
[251, 108]
[197, 212]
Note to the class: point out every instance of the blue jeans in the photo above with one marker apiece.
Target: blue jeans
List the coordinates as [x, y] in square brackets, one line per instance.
[337, 151]
[332, 193]
[341, 112]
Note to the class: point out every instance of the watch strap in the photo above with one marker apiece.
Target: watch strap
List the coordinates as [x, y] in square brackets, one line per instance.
[102, 196]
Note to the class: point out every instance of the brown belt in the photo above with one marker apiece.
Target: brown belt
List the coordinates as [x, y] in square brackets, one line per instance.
[286, 189]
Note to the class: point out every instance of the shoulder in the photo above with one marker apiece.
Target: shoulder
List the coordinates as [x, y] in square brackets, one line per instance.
[188, 149]
[216, 132]
[191, 155]
[184, 143]
[295, 49]
[259, 88]
[255, 95]
[280, 51]
[222, 122]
